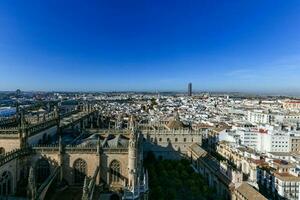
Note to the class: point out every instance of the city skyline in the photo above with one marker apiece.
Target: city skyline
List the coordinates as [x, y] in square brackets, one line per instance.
[150, 46]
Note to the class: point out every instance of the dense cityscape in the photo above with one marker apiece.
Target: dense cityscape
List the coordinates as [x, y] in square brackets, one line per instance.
[149, 100]
[104, 145]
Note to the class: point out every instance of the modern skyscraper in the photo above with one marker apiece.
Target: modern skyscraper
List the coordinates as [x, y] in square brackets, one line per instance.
[190, 92]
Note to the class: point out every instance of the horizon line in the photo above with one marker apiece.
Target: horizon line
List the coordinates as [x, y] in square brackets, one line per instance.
[287, 94]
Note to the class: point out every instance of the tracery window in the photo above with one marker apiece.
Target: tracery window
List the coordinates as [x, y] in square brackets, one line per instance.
[6, 184]
[42, 170]
[80, 168]
[115, 171]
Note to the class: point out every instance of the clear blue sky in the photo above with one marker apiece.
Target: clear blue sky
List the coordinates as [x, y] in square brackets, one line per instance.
[150, 45]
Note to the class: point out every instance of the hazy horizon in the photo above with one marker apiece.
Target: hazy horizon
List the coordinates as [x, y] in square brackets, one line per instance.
[195, 92]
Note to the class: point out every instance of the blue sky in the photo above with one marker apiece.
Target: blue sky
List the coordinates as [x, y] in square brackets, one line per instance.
[156, 45]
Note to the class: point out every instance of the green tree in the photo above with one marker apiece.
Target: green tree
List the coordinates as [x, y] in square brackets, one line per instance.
[175, 179]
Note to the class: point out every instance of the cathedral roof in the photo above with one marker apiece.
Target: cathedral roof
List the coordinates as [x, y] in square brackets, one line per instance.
[175, 123]
[90, 141]
[116, 141]
[110, 141]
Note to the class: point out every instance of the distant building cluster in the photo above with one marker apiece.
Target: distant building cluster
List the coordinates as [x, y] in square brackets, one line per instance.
[244, 147]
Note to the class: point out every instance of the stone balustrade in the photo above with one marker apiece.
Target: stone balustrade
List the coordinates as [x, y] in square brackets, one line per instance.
[5, 158]
[11, 131]
[8, 120]
[31, 129]
[69, 113]
[34, 129]
[172, 132]
[39, 126]
[115, 150]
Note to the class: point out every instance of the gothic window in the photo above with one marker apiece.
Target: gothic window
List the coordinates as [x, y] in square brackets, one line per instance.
[2, 150]
[6, 184]
[42, 170]
[115, 171]
[80, 168]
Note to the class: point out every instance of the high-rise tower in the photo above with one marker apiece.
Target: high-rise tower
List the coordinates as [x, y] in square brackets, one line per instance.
[190, 92]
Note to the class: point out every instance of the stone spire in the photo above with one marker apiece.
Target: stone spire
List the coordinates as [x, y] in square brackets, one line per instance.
[131, 123]
[132, 155]
[85, 193]
[23, 121]
[31, 190]
[98, 119]
[119, 122]
[60, 142]
[99, 146]
[56, 112]
[146, 180]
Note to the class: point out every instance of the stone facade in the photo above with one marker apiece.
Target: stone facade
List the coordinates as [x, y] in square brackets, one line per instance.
[171, 139]
[110, 160]
[219, 175]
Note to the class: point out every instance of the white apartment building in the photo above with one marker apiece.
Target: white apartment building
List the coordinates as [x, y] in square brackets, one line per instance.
[280, 179]
[249, 137]
[264, 141]
[279, 143]
[259, 117]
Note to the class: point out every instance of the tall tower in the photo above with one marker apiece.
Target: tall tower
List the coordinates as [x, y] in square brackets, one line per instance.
[190, 92]
[132, 155]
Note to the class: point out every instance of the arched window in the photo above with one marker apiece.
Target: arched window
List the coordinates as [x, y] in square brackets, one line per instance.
[115, 171]
[2, 150]
[80, 168]
[6, 184]
[42, 170]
